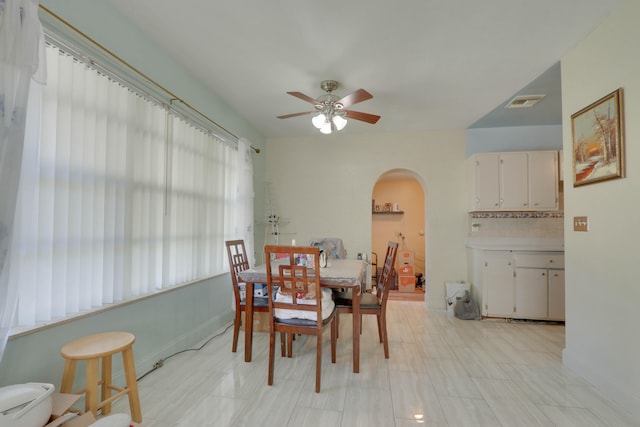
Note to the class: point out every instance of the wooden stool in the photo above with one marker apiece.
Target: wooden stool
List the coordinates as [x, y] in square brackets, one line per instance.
[91, 349]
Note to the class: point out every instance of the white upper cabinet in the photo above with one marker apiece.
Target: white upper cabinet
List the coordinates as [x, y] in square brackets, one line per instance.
[543, 180]
[515, 181]
[485, 179]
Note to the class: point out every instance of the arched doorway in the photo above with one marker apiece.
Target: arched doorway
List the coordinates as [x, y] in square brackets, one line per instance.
[398, 214]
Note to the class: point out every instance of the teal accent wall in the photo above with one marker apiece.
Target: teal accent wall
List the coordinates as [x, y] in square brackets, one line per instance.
[522, 138]
[163, 324]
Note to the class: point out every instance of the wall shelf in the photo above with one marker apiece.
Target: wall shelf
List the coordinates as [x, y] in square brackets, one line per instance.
[387, 213]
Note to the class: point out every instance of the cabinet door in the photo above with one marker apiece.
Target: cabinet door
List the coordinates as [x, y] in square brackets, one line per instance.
[514, 193]
[497, 283]
[531, 293]
[556, 294]
[543, 180]
[487, 181]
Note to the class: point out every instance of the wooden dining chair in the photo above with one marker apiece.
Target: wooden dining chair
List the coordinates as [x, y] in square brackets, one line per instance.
[238, 262]
[374, 303]
[299, 305]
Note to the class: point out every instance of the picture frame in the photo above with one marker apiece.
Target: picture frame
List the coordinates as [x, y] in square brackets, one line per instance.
[598, 140]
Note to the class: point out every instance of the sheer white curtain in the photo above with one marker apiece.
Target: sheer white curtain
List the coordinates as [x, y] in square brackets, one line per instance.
[90, 196]
[21, 49]
[200, 205]
[122, 198]
[244, 197]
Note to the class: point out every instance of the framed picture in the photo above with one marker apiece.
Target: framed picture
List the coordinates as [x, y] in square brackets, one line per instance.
[598, 140]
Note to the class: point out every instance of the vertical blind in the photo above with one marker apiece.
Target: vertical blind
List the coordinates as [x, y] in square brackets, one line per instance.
[119, 197]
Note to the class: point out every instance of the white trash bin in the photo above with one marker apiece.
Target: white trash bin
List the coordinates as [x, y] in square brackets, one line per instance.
[454, 290]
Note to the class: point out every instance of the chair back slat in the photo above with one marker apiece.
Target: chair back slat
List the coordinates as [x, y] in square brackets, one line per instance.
[387, 272]
[238, 262]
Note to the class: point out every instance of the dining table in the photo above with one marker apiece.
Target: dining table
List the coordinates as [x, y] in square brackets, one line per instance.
[341, 273]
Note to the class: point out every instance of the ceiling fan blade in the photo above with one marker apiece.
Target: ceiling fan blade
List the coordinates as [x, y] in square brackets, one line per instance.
[286, 116]
[304, 97]
[355, 97]
[365, 117]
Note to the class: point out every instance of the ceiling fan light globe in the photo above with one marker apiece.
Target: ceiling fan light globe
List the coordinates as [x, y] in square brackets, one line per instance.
[319, 120]
[340, 122]
[326, 128]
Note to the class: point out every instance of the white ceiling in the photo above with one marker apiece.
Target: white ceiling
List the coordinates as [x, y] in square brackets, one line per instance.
[430, 64]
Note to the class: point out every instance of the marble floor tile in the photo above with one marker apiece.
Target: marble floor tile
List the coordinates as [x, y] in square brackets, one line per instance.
[415, 399]
[465, 412]
[442, 372]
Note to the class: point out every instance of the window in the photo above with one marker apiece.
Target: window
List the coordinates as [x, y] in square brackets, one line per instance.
[119, 197]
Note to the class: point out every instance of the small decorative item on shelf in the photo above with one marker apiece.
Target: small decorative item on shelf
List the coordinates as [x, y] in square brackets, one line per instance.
[388, 207]
[377, 208]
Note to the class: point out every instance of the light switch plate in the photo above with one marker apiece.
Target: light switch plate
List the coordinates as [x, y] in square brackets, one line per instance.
[580, 223]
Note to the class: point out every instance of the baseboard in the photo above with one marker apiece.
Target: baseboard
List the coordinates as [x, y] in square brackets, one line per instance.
[146, 363]
[417, 295]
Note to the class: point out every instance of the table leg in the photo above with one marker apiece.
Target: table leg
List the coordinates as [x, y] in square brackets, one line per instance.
[248, 322]
[356, 329]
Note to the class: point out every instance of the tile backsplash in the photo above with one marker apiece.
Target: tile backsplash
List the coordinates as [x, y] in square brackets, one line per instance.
[516, 224]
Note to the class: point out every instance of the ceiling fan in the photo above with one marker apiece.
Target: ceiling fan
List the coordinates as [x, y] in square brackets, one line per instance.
[330, 111]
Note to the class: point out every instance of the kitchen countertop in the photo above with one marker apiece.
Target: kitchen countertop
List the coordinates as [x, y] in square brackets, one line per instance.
[516, 243]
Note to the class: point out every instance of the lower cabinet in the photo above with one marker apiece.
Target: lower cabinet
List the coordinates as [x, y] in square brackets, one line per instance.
[497, 279]
[539, 285]
[532, 293]
[556, 294]
[522, 285]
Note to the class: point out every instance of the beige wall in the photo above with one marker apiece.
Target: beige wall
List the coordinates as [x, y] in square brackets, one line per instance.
[602, 286]
[323, 186]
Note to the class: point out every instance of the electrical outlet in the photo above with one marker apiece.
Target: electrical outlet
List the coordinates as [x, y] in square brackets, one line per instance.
[580, 223]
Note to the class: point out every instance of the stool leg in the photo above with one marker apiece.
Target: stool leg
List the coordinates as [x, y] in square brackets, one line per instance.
[91, 399]
[105, 392]
[67, 376]
[132, 384]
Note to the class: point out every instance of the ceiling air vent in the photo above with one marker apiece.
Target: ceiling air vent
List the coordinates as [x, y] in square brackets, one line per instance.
[524, 101]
